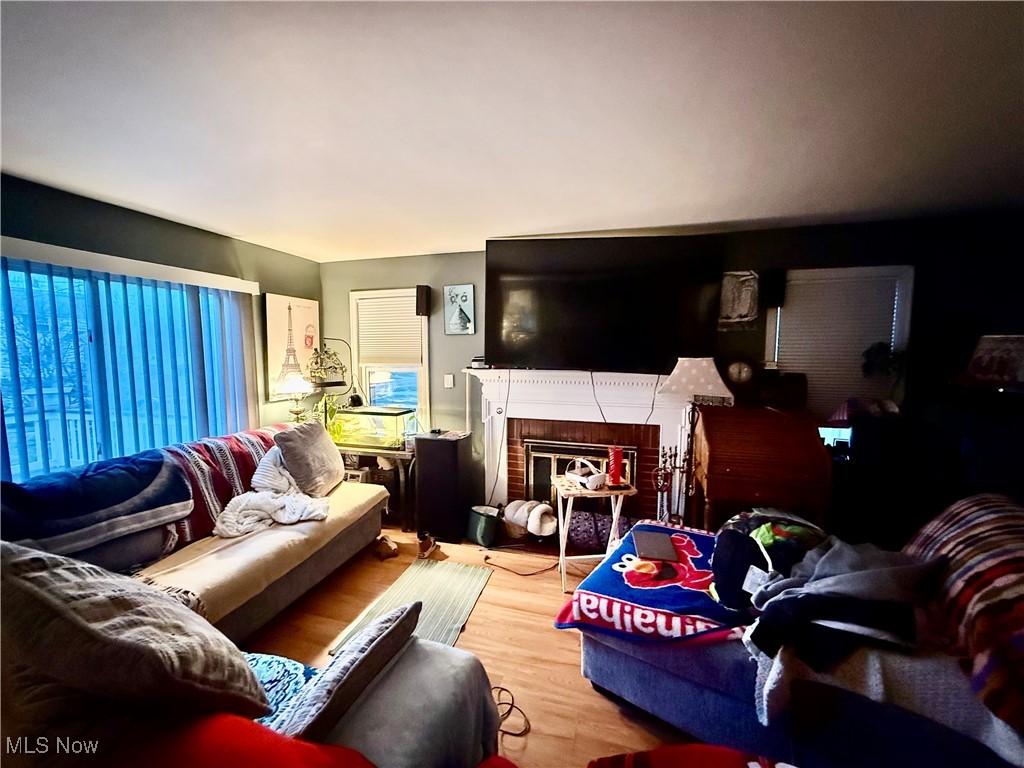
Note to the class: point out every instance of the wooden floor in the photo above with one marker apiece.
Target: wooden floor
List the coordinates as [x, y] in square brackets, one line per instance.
[511, 632]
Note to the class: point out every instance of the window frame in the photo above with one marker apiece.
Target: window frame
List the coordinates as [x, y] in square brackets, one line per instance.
[903, 275]
[423, 369]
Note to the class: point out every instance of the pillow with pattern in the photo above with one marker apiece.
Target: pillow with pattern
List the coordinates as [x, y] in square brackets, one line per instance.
[114, 636]
[313, 711]
[983, 593]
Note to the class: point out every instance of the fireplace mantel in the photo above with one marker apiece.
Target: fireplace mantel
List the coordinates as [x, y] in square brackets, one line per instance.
[618, 398]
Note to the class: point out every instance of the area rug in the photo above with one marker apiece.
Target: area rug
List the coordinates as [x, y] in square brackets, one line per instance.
[448, 592]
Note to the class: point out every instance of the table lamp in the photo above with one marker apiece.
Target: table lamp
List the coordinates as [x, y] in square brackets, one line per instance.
[296, 388]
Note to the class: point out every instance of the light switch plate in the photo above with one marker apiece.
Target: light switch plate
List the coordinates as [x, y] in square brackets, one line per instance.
[449, 381]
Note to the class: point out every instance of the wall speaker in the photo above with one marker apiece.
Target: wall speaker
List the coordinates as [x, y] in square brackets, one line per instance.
[423, 300]
[773, 287]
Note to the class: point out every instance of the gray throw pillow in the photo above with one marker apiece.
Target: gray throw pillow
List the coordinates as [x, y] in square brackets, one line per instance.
[315, 709]
[112, 635]
[311, 457]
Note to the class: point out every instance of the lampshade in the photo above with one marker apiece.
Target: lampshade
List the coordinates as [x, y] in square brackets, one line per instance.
[295, 385]
[696, 379]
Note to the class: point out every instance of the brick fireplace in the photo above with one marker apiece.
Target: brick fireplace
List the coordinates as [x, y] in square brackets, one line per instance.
[644, 438]
[593, 409]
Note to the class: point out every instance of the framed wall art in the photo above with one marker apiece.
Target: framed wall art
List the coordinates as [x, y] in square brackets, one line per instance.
[293, 331]
[459, 310]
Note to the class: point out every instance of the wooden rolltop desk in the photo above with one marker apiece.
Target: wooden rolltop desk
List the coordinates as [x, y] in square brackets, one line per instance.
[756, 457]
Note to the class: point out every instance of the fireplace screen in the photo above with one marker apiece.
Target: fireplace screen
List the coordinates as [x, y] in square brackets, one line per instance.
[545, 458]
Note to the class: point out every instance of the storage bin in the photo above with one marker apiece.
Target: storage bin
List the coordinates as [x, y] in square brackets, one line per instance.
[483, 525]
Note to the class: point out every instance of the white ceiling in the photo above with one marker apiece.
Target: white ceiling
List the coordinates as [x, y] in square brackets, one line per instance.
[345, 131]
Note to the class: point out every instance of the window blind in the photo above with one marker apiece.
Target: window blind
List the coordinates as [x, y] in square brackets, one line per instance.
[830, 317]
[95, 365]
[388, 332]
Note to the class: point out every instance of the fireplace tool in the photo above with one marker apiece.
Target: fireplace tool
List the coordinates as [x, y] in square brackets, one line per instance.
[661, 478]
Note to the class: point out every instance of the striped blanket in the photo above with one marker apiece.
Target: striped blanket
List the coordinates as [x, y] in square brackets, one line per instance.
[75, 510]
[218, 469]
[983, 538]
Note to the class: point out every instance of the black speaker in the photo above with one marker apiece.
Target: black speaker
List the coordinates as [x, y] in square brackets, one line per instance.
[444, 484]
[422, 300]
[773, 287]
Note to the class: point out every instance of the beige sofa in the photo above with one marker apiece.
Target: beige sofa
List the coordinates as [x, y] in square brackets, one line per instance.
[246, 581]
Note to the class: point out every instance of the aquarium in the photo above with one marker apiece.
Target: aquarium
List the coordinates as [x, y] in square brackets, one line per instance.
[371, 426]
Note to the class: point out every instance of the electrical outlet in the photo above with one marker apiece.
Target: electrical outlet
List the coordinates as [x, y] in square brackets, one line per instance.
[449, 381]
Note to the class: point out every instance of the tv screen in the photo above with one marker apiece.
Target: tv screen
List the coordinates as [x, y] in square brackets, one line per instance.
[603, 304]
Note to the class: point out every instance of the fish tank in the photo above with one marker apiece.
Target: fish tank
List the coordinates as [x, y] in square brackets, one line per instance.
[371, 426]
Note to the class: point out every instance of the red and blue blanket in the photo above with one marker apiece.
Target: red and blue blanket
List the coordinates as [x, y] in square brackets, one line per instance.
[656, 599]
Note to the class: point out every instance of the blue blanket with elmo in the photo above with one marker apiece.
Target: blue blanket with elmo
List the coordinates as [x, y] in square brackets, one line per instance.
[654, 599]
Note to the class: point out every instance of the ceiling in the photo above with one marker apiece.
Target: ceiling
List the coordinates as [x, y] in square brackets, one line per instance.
[347, 131]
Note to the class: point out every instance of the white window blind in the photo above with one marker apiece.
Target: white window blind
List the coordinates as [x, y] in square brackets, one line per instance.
[830, 317]
[388, 330]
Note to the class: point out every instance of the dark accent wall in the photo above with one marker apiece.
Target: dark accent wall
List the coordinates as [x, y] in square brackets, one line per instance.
[968, 281]
[33, 211]
[37, 212]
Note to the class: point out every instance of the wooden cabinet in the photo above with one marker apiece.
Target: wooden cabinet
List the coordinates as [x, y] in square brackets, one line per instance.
[756, 457]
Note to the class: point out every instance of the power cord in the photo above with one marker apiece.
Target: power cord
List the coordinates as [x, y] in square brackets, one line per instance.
[593, 388]
[654, 399]
[501, 440]
[506, 708]
[488, 561]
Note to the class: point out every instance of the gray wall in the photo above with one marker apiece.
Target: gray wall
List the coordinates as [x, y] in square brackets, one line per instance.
[448, 354]
[32, 211]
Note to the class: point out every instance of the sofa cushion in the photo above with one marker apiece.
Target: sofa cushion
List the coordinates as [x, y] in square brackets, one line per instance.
[314, 710]
[311, 457]
[227, 573]
[114, 636]
[724, 666]
[983, 593]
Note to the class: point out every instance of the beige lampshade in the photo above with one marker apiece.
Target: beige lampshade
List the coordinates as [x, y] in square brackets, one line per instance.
[696, 379]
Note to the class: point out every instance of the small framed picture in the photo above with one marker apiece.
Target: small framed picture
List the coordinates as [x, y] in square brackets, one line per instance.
[459, 312]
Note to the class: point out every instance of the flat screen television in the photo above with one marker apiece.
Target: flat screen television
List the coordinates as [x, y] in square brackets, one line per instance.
[631, 304]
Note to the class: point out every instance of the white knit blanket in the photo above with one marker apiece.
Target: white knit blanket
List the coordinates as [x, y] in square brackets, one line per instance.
[274, 499]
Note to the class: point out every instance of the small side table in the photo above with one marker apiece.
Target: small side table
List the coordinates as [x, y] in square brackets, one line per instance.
[568, 491]
[404, 459]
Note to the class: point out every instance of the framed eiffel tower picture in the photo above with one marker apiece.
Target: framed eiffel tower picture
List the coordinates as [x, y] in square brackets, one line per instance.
[293, 331]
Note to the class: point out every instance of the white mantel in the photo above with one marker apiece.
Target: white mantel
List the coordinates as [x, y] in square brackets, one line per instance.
[624, 398]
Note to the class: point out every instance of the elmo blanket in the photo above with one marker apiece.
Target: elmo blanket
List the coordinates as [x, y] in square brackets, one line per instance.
[656, 599]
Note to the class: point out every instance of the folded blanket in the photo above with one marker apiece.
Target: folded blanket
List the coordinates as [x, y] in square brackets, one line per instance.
[274, 499]
[73, 510]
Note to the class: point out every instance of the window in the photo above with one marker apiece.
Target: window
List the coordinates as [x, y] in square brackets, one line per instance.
[830, 317]
[95, 365]
[390, 350]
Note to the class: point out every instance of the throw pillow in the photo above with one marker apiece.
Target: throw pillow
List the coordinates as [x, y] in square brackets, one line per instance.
[312, 458]
[114, 636]
[316, 708]
[983, 593]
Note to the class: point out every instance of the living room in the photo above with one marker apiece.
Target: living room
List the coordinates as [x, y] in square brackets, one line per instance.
[543, 384]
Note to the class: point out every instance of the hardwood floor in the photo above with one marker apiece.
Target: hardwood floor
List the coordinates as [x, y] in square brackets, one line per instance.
[511, 632]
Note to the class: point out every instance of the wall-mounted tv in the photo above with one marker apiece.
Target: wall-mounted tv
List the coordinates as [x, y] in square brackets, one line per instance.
[631, 304]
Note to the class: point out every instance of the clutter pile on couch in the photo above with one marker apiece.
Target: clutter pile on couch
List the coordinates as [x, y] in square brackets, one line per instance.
[838, 666]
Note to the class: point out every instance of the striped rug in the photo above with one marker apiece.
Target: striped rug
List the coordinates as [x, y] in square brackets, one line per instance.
[448, 592]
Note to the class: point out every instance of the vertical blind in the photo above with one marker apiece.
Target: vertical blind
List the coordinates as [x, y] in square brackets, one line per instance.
[95, 365]
[830, 317]
[388, 330]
